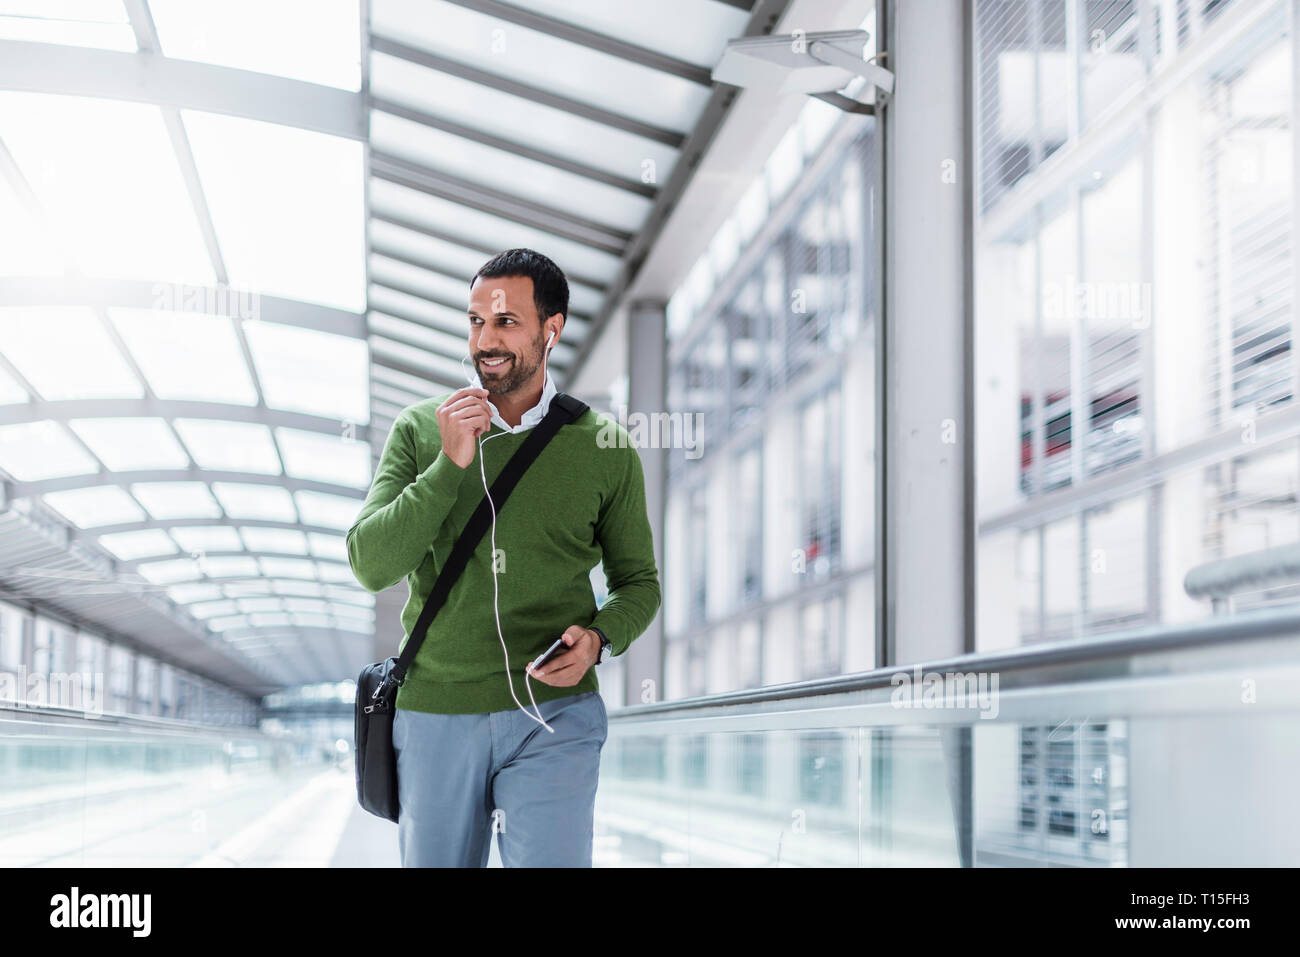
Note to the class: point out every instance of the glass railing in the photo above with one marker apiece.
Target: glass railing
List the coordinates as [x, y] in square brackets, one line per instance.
[1156, 747]
[89, 790]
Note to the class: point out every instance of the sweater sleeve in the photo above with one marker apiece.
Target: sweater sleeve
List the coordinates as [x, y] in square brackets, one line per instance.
[627, 544]
[402, 513]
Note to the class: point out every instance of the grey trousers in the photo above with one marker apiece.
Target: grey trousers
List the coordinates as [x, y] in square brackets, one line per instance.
[463, 777]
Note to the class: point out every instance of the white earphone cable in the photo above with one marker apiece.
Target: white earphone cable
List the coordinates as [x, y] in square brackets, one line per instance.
[496, 606]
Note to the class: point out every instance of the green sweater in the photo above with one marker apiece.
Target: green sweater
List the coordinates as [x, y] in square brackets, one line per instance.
[579, 504]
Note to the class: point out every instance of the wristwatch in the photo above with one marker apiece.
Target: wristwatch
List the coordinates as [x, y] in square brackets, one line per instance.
[604, 643]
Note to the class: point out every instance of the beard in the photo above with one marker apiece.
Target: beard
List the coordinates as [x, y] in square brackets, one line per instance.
[518, 369]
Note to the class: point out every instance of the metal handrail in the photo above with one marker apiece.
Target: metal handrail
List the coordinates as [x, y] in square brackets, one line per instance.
[1153, 638]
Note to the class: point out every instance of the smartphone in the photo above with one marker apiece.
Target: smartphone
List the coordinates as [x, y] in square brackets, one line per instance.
[541, 659]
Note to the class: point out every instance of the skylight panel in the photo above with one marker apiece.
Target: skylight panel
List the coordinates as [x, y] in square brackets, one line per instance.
[264, 502]
[27, 246]
[106, 175]
[187, 355]
[146, 542]
[244, 589]
[89, 507]
[229, 567]
[288, 207]
[354, 611]
[247, 605]
[228, 622]
[352, 624]
[166, 500]
[297, 588]
[65, 353]
[230, 446]
[184, 594]
[284, 540]
[457, 220]
[290, 361]
[312, 620]
[131, 444]
[101, 24]
[328, 546]
[207, 538]
[287, 567]
[354, 594]
[210, 609]
[325, 458]
[10, 391]
[164, 573]
[33, 451]
[329, 511]
[269, 620]
[266, 37]
[334, 572]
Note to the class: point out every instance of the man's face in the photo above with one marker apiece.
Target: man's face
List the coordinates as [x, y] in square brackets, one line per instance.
[507, 338]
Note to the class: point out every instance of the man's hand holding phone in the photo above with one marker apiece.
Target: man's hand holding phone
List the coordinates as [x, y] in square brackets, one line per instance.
[565, 662]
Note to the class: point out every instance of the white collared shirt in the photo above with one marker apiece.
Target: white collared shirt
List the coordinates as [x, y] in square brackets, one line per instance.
[530, 418]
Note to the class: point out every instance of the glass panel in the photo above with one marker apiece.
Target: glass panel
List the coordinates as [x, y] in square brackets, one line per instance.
[334, 572]
[504, 115]
[207, 538]
[106, 175]
[131, 444]
[325, 458]
[186, 355]
[457, 220]
[328, 546]
[287, 568]
[32, 451]
[266, 37]
[287, 207]
[656, 26]
[228, 567]
[266, 502]
[289, 361]
[28, 247]
[297, 588]
[208, 609]
[162, 573]
[230, 446]
[543, 61]
[183, 594]
[101, 24]
[274, 540]
[131, 545]
[65, 353]
[176, 499]
[329, 511]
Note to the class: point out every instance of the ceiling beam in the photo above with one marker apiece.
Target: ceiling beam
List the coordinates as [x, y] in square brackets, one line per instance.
[122, 479]
[433, 61]
[498, 203]
[600, 42]
[159, 80]
[62, 410]
[232, 301]
[514, 147]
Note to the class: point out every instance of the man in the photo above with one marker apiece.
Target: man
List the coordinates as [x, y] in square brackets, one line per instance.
[470, 762]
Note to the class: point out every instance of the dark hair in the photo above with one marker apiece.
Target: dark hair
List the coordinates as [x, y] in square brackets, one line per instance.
[550, 287]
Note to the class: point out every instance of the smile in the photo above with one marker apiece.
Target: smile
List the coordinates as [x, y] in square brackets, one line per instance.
[494, 363]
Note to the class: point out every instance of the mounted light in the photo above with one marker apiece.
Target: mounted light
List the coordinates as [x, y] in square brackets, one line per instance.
[818, 64]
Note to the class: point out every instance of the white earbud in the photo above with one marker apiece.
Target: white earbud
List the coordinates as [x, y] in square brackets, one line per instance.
[549, 340]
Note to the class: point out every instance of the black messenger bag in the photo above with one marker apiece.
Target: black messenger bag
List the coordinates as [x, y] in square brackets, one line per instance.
[377, 685]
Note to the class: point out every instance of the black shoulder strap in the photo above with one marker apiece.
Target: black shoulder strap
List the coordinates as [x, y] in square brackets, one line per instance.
[563, 409]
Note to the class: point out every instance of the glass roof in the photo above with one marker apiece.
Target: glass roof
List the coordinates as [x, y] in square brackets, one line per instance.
[215, 451]
[87, 23]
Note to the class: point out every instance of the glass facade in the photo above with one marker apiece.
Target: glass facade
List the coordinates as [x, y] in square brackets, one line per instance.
[1135, 307]
[768, 547]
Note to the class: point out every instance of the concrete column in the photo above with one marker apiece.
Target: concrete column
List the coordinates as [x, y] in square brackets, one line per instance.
[926, 591]
[927, 574]
[647, 344]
